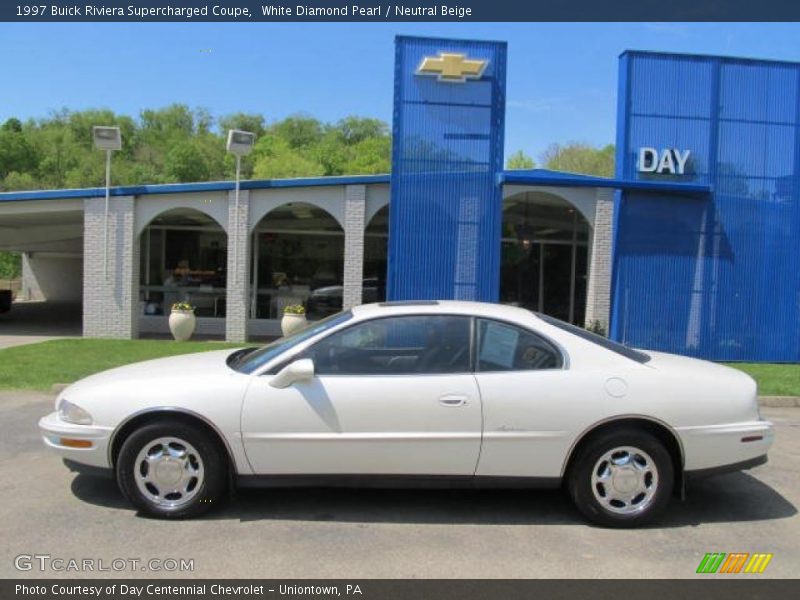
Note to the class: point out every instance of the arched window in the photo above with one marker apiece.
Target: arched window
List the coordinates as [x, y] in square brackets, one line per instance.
[376, 239]
[544, 256]
[183, 258]
[298, 258]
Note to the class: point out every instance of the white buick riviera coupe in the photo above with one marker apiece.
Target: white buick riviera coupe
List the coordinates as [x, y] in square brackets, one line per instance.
[415, 393]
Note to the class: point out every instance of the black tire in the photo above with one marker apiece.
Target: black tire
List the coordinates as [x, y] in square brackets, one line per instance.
[580, 484]
[205, 452]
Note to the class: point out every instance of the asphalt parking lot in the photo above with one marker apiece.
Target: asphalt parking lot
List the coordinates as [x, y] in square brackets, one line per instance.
[323, 533]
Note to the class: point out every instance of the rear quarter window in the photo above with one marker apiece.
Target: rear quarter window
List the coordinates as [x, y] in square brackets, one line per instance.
[621, 349]
[506, 347]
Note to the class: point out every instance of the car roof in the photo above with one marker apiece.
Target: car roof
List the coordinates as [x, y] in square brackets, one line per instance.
[455, 307]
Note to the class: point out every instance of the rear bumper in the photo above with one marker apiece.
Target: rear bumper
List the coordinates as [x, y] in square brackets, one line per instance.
[711, 447]
[721, 470]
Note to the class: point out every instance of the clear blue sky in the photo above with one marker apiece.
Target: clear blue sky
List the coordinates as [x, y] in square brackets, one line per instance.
[561, 77]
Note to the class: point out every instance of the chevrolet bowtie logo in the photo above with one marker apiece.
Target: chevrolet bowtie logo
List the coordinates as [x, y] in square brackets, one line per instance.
[452, 67]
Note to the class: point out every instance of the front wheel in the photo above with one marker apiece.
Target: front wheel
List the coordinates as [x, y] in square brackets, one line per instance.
[171, 470]
[622, 478]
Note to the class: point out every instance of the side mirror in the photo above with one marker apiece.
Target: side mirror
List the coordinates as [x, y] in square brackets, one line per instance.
[299, 370]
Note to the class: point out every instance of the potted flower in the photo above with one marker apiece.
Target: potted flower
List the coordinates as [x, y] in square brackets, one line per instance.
[294, 319]
[182, 321]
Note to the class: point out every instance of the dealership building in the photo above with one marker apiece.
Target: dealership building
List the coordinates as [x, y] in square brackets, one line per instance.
[690, 248]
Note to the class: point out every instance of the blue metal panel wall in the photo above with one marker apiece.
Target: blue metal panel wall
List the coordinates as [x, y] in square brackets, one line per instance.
[445, 215]
[716, 277]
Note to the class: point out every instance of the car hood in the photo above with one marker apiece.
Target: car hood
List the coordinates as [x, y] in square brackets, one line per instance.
[195, 368]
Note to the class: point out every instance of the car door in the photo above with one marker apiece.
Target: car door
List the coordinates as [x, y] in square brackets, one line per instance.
[390, 396]
[531, 401]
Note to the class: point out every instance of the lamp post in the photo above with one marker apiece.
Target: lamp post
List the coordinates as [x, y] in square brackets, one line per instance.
[108, 139]
[240, 143]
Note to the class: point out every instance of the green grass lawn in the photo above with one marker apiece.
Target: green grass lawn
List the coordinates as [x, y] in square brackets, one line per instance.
[39, 366]
[773, 380]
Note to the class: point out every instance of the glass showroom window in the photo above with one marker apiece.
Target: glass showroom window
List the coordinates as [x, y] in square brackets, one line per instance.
[298, 258]
[543, 264]
[376, 238]
[183, 258]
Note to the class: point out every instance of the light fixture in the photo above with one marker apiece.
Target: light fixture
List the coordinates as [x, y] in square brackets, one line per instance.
[108, 139]
[240, 143]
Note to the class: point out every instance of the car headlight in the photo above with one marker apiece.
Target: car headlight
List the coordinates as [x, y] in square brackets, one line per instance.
[72, 413]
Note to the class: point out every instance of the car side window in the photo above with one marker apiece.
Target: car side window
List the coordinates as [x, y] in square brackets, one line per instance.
[403, 345]
[504, 347]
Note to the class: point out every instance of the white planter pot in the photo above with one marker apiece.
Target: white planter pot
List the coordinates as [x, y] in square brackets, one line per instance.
[182, 324]
[292, 323]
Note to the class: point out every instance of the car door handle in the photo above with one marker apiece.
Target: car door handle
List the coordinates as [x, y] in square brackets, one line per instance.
[453, 400]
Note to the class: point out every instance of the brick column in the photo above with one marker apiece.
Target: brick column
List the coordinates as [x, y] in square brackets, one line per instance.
[598, 291]
[110, 290]
[354, 210]
[238, 268]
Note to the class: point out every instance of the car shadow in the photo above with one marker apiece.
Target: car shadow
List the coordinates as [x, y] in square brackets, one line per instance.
[98, 491]
[736, 497]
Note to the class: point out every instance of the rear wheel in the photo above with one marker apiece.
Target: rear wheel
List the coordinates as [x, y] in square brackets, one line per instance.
[171, 470]
[622, 478]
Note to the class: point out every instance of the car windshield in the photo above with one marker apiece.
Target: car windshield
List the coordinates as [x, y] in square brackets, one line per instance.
[627, 352]
[249, 361]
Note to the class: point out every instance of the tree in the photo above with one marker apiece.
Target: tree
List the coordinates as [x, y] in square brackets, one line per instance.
[16, 152]
[331, 152]
[13, 124]
[175, 120]
[178, 143]
[58, 153]
[90, 170]
[10, 265]
[160, 131]
[576, 157]
[185, 162]
[80, 126]
[203, 121]
[300, 131]
[370, 157]
[244, 122]
[19, 181]
[274, 158]
[520, 160]
[357, 129]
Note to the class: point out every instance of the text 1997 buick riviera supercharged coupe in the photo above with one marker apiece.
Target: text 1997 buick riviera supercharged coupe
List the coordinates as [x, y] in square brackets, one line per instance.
[446, 393]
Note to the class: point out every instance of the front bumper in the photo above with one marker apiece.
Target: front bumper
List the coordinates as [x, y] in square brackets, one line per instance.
[712, 447]
[57, 434]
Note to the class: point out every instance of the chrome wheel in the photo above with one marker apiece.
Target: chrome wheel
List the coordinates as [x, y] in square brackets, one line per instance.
[625, 480]
[169, 472]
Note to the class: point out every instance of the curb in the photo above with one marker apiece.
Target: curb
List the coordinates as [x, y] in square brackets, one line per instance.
[779, 401]
[57, 388]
